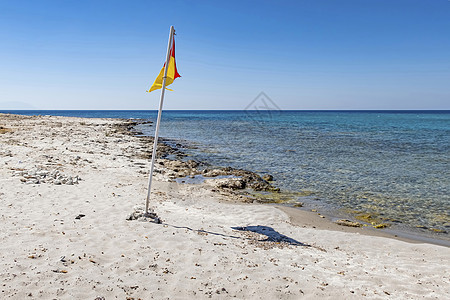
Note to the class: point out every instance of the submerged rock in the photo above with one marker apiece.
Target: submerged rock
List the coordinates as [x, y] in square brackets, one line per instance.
[251, 179]
[438, 230]
[177, 168]
[214, 173]
[382, 225]
[268, 177]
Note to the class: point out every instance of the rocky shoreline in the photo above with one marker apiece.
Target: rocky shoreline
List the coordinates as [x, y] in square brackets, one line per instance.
[244, 185]
[237, 183]
[174, 164]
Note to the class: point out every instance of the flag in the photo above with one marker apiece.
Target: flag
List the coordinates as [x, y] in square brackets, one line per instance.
[172, 72]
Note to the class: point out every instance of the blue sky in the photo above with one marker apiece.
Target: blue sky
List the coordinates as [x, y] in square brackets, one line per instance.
[305, 54]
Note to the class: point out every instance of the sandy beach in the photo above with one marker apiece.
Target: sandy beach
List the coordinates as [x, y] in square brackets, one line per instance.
[67, 186]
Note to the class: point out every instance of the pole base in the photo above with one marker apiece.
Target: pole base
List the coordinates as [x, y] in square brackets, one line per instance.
[153, 216]
[140, 215]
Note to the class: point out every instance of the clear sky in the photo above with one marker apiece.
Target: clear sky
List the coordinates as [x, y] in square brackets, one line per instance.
[304, 54]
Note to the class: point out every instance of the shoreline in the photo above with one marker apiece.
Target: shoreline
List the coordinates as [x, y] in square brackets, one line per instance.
[424, 232]
[66, 236]
[311, 219]
[317, 218]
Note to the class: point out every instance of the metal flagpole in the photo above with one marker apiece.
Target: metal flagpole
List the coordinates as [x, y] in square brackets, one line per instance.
[155, 143]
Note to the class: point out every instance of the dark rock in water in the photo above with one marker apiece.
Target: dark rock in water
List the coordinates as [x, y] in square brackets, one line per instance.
[192, 163]
[268, 177]
[214, 173]
[180, 168]
[259, 185]
[129, 127]
[251, 179]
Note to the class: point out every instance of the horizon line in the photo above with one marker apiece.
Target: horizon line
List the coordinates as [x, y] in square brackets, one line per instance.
[275, 110]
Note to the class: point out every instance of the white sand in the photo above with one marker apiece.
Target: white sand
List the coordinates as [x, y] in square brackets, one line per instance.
[45, 253]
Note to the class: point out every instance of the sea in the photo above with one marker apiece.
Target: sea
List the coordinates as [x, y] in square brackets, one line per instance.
[392, 167]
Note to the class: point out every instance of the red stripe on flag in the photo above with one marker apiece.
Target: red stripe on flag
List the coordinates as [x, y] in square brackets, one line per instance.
[172, 54]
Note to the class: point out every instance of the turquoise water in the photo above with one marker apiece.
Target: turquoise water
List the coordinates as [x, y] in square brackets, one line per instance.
[394, 165]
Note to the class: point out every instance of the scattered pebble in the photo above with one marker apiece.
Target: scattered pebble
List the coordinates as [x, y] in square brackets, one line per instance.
[38, 176]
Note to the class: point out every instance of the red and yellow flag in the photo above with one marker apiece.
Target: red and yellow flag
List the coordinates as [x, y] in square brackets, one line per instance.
[172, 72]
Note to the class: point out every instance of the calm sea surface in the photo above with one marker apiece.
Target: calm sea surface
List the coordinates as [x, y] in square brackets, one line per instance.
[391, 164]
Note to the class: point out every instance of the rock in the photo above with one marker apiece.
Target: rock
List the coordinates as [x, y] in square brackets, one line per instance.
[438, 230]
[251, 179]
[192, 163]
[37, 176]
[140, 215]
[214, 173]
[259, 185]
[42, 173]
[267, 177]
[381, 225]
[230, 183]
[18, 173]
[180, 168]
[79, 216]
[344, 222]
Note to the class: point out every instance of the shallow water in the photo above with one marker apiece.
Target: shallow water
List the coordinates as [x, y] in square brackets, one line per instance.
[393, 165]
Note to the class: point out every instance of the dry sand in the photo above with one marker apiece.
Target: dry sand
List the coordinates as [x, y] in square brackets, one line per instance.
[207, 247]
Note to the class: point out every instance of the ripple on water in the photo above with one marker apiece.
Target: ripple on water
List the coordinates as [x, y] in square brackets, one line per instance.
[394, 166]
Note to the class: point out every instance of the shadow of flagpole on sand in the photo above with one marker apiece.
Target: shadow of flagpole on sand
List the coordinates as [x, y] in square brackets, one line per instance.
[272, 235]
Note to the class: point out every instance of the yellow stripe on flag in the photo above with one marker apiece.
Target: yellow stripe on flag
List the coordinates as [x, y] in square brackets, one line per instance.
[172, 72]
